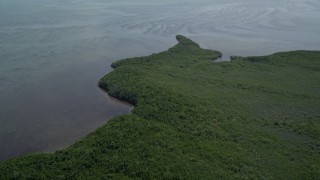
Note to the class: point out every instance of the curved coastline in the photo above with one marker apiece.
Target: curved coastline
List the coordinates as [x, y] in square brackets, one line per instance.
[130, 98]
[196, 119]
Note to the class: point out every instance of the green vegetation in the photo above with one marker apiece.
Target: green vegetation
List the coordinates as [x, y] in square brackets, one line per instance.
[251, 118]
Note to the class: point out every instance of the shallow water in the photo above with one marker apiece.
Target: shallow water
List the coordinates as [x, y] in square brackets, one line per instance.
[53, 52]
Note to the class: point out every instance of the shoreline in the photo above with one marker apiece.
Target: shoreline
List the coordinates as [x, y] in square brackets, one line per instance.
[186, 121]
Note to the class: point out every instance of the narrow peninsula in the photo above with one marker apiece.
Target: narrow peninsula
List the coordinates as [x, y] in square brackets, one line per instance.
[249, 118]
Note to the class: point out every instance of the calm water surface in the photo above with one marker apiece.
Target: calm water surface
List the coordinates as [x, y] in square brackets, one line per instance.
[53, 52]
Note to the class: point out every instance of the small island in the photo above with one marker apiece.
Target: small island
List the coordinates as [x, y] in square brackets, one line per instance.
[248, 118]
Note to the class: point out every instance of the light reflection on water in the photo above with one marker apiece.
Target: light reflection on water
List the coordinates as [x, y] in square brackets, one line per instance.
[53, 52]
